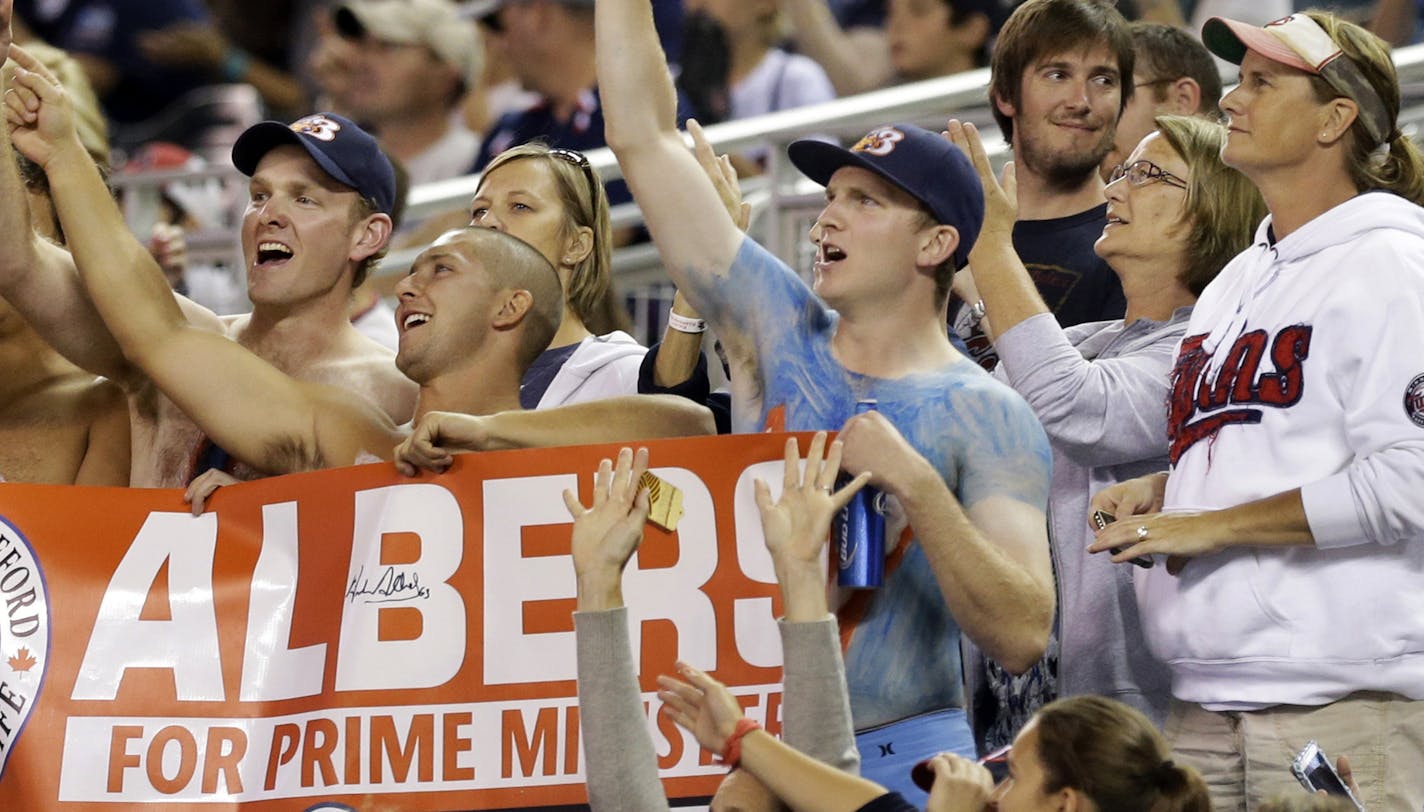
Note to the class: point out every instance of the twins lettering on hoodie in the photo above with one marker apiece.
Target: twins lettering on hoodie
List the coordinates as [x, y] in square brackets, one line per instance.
[1208, 396]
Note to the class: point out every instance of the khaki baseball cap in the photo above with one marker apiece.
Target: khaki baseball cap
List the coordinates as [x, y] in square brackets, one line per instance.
[437, 24]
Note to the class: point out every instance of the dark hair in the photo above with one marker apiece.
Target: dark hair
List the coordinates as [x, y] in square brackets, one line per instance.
[1046, 27]
[1400, 168]
[1168, 53]
[1222, 207]
[1112, 754]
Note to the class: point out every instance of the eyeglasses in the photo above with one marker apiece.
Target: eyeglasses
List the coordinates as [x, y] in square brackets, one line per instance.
[1140, 173]
[578, 159]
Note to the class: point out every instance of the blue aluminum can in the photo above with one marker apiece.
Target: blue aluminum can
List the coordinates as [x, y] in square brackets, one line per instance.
[859, 532]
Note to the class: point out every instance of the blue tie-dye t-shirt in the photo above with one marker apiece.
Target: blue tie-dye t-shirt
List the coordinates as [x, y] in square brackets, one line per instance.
[980, 435]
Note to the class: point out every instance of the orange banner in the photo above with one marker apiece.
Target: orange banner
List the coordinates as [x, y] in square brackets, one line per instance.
[357, 638]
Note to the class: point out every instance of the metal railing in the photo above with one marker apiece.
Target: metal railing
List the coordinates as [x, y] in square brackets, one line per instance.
[784, 203]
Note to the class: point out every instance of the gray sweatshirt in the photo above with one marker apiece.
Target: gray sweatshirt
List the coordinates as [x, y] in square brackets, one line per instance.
[1100, 390]
[620, 763]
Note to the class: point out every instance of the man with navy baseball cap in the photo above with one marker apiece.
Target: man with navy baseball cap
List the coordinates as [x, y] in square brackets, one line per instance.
[961, 453]
[318, 215]
[341, 148]
[925, 165]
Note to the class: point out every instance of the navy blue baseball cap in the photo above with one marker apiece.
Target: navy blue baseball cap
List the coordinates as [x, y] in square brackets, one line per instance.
[343, 150]
[924, 164]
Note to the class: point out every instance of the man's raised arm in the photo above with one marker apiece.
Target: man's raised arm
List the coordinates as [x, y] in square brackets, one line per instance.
[37, 277]
[258, 413]
[694, 234]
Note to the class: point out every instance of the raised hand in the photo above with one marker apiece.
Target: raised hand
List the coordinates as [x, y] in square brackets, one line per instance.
[1001, 199]
[38, 111]
[606, 534]
[796, 525]
[701, 705]
[169, 247]
[723, 176]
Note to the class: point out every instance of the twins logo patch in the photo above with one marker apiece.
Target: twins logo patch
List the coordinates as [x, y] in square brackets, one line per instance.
[880, 142]
[24, 636]
[318, 127]
[1414, 400]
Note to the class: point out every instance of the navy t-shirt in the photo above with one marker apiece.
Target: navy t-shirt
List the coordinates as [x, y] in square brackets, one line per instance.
[542, 372]
[1076, 283]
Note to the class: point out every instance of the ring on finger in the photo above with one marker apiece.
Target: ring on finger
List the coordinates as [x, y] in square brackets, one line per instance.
[1142, 533]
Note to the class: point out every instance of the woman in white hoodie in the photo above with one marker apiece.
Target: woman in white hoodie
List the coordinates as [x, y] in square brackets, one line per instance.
[553, 200]
[1292, 520]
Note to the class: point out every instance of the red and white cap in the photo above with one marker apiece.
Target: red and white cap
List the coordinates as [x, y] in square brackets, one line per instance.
[1299, 42]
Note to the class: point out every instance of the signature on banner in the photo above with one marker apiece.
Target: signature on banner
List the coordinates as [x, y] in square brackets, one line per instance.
[393, 585]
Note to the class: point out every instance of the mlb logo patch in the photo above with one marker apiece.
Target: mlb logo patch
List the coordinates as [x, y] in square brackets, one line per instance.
[1414, 400]
[879, 142]
[318, 127]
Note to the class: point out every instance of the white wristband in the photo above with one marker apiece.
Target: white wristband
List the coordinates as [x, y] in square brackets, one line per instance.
[683, 324]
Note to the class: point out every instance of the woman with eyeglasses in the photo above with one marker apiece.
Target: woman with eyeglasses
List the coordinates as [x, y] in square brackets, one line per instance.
[553, 200]
[1176, 216]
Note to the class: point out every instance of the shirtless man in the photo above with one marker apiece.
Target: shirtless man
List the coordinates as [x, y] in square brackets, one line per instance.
[476, 309]
[299, 291]
[59, 425]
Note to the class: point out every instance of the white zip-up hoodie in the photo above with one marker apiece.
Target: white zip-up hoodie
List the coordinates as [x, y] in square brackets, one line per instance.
[1303, 367]
[602, 367]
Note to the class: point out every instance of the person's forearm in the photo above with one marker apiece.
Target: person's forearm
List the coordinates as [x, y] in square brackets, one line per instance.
[609, 420]
[621, 765]
[599, 590]
[816, 705]
[124, 281]
[995, 600]
[1101, 412]
[1275, 521]
[854, 64]
[803, 593]
[40, 281]
[1004, 285]
[678, 354]
[802, 782]
[634, 84]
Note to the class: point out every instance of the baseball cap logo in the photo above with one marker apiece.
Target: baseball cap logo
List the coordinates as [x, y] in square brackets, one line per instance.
[879, 142]
[318, 127]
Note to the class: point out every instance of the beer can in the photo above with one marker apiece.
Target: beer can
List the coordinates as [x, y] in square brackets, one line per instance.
[858, 531]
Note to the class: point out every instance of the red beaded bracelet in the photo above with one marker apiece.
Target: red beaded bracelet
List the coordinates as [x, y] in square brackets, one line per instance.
[732, 748]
